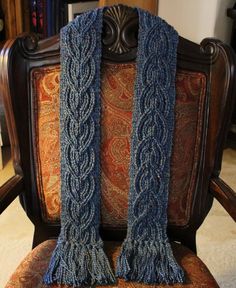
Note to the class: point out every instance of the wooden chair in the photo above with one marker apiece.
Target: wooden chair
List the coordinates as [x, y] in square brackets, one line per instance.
[205, 86]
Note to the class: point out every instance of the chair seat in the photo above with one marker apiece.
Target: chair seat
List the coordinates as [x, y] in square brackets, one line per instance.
[31, 270]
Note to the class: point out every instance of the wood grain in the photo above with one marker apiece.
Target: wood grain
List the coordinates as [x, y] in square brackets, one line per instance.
[12, 10]
[225, 195]
[19, 16]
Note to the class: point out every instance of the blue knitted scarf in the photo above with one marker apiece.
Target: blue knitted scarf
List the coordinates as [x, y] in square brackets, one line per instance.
[146, 254]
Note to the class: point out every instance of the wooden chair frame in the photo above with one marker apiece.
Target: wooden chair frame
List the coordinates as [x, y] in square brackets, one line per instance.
[21, 55]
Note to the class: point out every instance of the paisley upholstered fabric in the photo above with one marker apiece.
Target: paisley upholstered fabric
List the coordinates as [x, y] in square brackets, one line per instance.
[117, 104]
[29, 273]
[190, 100]
[117, 85]
[47, 152]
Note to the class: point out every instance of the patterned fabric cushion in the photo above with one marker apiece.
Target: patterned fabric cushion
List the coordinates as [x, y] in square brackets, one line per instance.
[117, 85]
[31, 270]
[47, 154]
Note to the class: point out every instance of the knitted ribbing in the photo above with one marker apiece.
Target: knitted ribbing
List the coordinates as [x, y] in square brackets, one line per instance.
[146, 255]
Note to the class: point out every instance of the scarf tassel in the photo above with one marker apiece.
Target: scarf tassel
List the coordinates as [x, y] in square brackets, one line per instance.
[148, 262]
[75, 264]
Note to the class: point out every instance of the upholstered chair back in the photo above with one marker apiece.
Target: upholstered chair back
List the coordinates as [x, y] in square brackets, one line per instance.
[117, 86]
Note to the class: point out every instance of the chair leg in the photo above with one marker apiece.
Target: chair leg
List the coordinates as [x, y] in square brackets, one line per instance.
[40, 235]
[190, 241]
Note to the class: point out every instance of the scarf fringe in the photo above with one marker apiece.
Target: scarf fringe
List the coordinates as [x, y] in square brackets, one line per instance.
[148, 262]
[75, 264]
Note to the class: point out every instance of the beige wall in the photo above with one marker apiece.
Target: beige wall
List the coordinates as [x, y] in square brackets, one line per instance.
[197, 19]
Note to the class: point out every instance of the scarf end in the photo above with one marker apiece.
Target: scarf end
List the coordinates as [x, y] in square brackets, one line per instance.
[148, 262]
[76, 264]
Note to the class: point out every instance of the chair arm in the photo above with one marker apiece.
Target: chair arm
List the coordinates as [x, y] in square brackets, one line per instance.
[14, 186]
[225, 195]
[10, 190]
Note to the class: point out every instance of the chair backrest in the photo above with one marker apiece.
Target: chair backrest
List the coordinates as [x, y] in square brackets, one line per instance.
[204, 94]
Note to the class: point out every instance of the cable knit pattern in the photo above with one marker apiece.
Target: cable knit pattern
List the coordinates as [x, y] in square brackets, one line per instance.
[79, 257]
[146, 255]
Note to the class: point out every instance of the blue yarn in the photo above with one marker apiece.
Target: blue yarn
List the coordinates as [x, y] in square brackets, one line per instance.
[146, 255]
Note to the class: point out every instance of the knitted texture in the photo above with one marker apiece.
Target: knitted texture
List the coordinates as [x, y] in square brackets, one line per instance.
[146, 255]
[79, 257]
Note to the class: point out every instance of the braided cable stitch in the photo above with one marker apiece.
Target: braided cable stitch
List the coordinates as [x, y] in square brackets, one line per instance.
[146, 255]
[78, 258]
